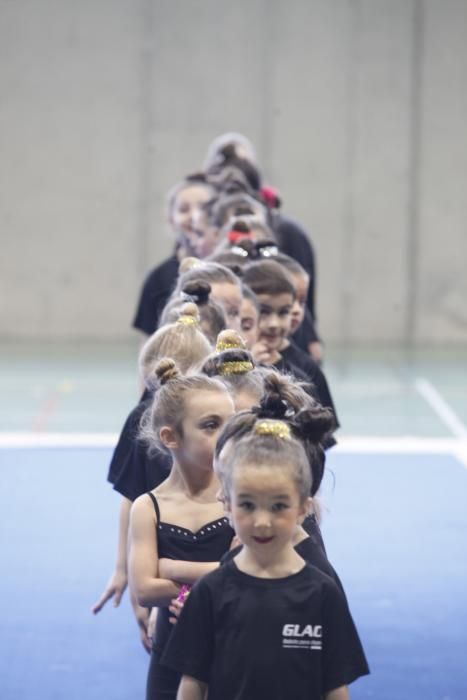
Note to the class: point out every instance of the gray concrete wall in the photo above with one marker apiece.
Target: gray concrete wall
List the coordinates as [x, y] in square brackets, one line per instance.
[358, 111]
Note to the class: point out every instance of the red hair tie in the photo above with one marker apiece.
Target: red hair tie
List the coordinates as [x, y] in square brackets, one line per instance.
[270, 197]
[235, 236]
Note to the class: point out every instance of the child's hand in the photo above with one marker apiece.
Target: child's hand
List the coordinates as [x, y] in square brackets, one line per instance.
[152, 623]
[115, 589]
[175, 607]
[315, 349]
[142, 619]
[261, 353]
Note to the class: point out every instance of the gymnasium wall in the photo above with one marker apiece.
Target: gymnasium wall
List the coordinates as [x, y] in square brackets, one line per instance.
[358, 110]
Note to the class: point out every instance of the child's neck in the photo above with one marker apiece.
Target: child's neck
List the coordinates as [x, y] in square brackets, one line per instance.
[284, 563]
[284, 345]
[202, 485]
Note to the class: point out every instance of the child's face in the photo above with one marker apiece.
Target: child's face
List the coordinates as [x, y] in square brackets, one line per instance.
[301, 283]
[205, 412]
[187, 206]
[274, 319]
[204, 237]
[265, 507]
[229, 297]
[249, 322]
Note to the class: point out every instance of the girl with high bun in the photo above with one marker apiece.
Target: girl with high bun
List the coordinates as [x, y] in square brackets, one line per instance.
[132, 471]
[268, 624]
[178, 531]
[198, 291]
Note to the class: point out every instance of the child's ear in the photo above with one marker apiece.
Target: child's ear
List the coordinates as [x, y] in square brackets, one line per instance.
[305, 509]
[168, 437]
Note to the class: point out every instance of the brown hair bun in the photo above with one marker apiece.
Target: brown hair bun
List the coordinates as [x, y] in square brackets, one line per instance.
[241, 226]
[166, 370]
[315, 423]
[198, 290]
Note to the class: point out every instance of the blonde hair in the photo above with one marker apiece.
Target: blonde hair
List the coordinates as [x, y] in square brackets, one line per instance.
[168, 407]
[182, 341]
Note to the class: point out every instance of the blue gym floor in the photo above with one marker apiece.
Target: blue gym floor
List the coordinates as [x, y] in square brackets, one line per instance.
[395, 526]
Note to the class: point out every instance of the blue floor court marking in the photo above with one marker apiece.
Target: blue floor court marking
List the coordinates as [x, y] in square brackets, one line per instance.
[395, 527]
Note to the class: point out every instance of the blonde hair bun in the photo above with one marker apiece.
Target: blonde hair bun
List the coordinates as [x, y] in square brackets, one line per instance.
[229, 340]
[187, 264]
[189, 314]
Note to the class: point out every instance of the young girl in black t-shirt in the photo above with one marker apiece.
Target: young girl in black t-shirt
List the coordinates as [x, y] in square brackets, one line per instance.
[267, 625]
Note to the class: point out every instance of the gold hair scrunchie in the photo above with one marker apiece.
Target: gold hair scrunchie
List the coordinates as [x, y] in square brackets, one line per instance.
[188, 321]
[222, 345]
[277, 428]
[239, 367]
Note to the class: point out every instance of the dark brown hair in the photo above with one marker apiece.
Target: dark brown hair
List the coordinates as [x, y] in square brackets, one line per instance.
[268, 277]
[283, 404]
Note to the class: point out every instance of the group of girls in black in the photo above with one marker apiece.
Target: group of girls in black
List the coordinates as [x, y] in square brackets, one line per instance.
[219, 465]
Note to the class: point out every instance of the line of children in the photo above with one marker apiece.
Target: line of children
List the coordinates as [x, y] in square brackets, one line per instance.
[269, 461]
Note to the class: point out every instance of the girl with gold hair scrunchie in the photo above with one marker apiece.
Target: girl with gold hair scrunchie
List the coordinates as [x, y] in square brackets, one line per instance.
[284, 626]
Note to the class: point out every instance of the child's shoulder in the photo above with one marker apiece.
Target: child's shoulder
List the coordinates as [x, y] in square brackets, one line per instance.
[321, 580]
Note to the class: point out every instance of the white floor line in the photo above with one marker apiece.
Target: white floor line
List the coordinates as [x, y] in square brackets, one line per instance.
[450, 419]
[347, 445]
[24, 439]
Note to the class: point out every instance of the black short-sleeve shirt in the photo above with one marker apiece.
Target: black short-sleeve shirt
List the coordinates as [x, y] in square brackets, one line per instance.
[157, 288]
[249, 637]
[294, 356]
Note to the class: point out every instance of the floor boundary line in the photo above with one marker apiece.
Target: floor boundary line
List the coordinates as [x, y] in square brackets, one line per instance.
[352, 444]
[441, 407]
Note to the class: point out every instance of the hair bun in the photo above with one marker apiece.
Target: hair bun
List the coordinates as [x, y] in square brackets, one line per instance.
[166, 370]
[189, 314]
[241, 226]
[272, 405]
[188, 264]
[198, 291]
[248, 245]
[229, 340]
[314, 423]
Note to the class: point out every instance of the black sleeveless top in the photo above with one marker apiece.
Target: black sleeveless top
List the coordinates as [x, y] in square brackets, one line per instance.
[209, 543]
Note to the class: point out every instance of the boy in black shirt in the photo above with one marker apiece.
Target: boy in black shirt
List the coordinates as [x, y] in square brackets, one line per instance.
[276, 294]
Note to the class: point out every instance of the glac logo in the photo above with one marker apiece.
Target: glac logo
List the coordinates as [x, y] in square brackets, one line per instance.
[311, 631]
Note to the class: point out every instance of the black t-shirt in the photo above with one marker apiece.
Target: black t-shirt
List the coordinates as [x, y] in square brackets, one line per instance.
[314, 373]
[292, 240]
[305, 333]
[142, 472]
[132, 470]
[249, 637]
[157, 288]
[309, 549]
[128, 435]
